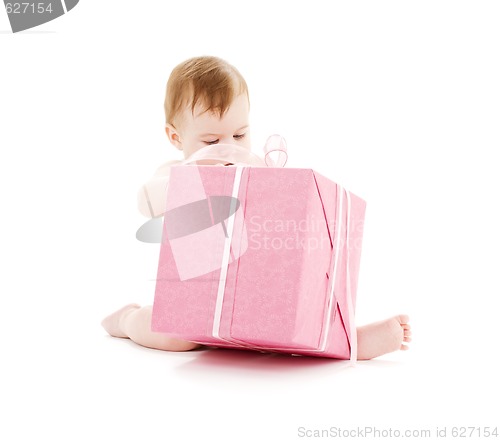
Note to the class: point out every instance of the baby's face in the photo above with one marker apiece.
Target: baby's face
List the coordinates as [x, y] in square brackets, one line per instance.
[201, 129]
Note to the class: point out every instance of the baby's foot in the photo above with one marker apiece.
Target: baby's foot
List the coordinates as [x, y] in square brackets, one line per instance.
[112, 322]
[383, 337]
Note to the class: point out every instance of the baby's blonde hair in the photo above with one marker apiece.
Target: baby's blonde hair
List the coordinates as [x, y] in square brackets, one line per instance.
[207, 80]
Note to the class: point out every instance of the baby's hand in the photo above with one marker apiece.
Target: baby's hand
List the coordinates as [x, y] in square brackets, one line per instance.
[209, 162]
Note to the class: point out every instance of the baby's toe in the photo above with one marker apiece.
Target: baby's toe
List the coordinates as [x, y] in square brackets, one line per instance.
[403, 319]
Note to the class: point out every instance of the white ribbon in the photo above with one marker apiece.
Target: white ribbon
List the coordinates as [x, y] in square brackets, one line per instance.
[350, 302]
[333, 271]
[225, 255]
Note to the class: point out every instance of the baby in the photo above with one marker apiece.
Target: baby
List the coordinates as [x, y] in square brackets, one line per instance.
[207, 103]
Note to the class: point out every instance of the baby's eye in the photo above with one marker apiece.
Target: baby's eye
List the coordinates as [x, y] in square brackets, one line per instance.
[211, 142]
[239, 136]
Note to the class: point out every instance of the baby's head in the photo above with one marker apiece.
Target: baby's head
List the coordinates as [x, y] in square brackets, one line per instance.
[206, 103]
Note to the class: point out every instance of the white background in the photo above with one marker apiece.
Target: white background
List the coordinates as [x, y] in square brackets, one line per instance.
[398, 101]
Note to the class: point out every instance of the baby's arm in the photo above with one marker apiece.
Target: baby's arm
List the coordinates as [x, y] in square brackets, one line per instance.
[151, 197]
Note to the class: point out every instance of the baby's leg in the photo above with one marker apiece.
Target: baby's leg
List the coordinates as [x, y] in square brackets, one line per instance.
[134, 322]
[383, 337]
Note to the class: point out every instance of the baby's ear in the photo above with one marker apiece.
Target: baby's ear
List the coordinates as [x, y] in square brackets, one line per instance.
[173, 136]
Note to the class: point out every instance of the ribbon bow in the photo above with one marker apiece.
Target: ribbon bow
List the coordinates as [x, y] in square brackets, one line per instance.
[230, 154]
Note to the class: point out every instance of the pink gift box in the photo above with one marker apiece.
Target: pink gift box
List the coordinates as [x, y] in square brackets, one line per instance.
[263, 258]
